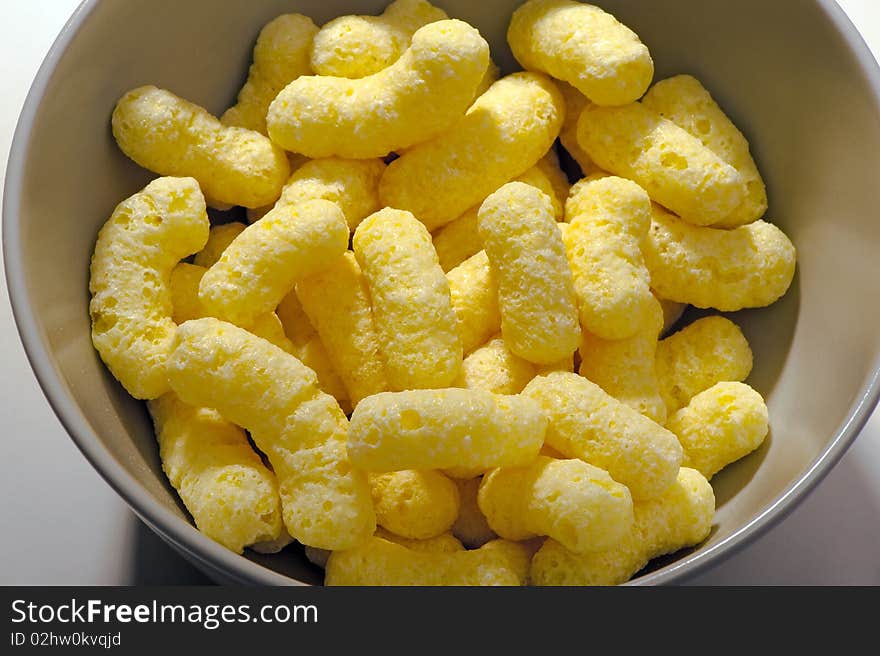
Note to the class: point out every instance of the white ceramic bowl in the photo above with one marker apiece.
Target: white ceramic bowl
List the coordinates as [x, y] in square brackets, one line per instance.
[793, 74]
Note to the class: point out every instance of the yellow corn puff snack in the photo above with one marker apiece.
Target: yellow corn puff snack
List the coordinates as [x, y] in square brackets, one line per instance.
[625, 368]
[588, 423]
[552, 170]
[493, 368]
[436, 429]
[412, 308]
[672, 312]
[577, 504]
[350, 183]
[708, 351]
[416, 504]
[719, 426]
[539, 180]
[184, 288]
[280, 56]
[416, 98]
[357, 46]
[380, 562]
[325, 502]
[750, 266]
[584, 46]
[474, 294]
[337, 303]
[459, 239]
[171, 136]
[681, 517]
[471, 526]
[231, 495]
[443, 543]
[609, 217]
[504, 133]
[684, 101]
[314, 355]
[535, 291]
[297, 326]
[219, 239]
[139, 245]
[673, 166]
[575, 102]
[265, 261]
[185, 280]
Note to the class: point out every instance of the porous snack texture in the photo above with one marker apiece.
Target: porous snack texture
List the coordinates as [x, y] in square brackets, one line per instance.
[171, 136]
[413, 336]
[416, 98]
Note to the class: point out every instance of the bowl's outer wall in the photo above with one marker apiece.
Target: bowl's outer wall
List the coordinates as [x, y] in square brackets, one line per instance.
[782, 70]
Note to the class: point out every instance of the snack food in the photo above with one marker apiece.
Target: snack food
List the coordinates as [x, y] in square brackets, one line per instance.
[380, 562]
[626, 368]
[337, 302]
[414, 504]
[471, 526]
[719, 426]
[474, 294]
[231, 495]
[587, 423]
[281, 55]
[436, 429]
[357, 46]
[174, 137]
[350, 183]
[504, 133]
[749, 266]
[264, 262]
[142, 241]
[582, 45]
[573, 502]
[492, 367]
[710, 350]
[412, 307]
[608, 219]
[454, 353]
[219, 237]
[535, 291]
[459, 239]
[432, 85]
[685, 102]
[325, 502]
[680, 517]
[673, 166]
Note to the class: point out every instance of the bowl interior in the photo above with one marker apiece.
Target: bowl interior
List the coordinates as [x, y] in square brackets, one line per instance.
[791, 74]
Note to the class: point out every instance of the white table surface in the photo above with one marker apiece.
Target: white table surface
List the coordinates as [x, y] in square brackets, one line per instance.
[61, 524]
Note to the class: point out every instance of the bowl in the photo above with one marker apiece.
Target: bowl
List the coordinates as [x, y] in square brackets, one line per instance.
[794, 75]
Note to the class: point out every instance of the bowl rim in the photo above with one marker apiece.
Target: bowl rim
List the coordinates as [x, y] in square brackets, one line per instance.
[225, 565]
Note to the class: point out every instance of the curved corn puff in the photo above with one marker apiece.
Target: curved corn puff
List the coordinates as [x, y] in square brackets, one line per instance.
[680, 517]
[587, 423]
[231, 495]
[584, 46]
[431, 85]
[281, 55]
[325, 502]
[137, 248]
[171, 136]
[504, 133]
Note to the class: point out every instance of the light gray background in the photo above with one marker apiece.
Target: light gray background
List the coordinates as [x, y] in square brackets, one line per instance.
[61, 524]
